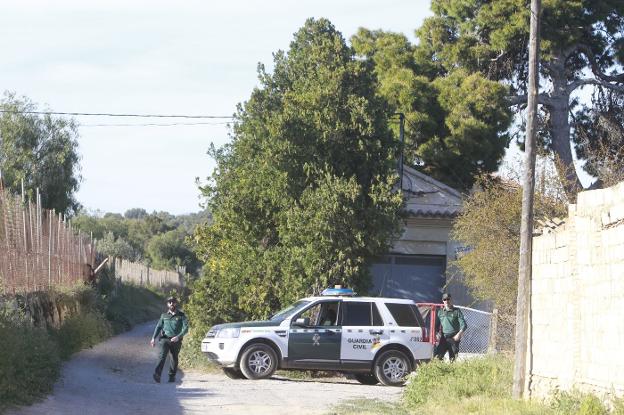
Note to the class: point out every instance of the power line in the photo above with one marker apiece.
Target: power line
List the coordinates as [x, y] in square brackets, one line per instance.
[107, 114]
[154, 124]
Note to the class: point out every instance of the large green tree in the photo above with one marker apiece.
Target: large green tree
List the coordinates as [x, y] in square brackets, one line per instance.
[303, 195]
[41, 151]
[456, 121]
[582, 45]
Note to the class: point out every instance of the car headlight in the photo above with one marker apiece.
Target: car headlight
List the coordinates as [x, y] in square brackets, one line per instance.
[228, 333]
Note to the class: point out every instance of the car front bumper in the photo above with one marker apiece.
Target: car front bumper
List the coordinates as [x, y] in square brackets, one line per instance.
[220, 351]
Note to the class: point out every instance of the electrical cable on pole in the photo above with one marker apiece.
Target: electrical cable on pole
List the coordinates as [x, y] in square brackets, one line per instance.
[108, 114]
[523, 306]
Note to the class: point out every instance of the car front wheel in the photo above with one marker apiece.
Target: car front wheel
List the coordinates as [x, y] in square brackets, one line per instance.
[366, 378]
[258, 361]
[392, 367]
[233, 373]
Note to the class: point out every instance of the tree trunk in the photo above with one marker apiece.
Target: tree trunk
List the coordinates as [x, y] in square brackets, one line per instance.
[559, 109]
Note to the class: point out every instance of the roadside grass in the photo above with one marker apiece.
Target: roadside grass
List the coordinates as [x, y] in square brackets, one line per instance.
[480, 386]
[81, 331]
[309, 374]
[368, 407]
[29, 361]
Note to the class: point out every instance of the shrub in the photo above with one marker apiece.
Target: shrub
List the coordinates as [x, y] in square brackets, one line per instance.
[29, 362]
[81, 331]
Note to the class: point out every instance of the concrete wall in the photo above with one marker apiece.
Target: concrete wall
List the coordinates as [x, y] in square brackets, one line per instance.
[578, 299]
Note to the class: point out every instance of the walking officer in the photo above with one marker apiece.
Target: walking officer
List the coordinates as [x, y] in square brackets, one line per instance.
[169, 331]
[451, 327]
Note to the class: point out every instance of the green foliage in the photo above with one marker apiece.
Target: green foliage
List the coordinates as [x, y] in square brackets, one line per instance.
[618, 406]
[479, 386]
[302, 196]
[158, 238]
[580, 40]
[29, 362]
[81, 331]
[42, 151]
[116, 247]
[169, 250]
[577, 403]
[135, 213]
[439, 382]
[31, 357]
[490, 226]
[455, 120]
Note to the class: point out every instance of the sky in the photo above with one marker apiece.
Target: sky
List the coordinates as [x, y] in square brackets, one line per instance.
[140, 57]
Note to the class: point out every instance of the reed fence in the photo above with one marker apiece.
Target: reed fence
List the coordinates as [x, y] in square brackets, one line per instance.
[143, 275]
[38, 247]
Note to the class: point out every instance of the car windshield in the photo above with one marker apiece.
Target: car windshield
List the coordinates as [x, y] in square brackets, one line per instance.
[290, 310]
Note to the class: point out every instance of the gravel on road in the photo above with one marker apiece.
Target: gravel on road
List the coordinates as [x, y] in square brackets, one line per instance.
[115, 377]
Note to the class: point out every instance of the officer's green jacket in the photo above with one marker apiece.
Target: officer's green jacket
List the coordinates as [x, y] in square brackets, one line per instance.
[171, 325]
[452, 321]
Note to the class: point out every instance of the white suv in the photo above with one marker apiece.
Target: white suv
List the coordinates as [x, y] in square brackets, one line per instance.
[376, 339]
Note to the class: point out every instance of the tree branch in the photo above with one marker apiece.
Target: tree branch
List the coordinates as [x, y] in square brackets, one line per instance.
[586, 50]
[593, 81]
[513, 100]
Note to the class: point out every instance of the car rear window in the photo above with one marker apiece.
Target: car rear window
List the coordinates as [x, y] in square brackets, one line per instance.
[360, 314]
[405, 315]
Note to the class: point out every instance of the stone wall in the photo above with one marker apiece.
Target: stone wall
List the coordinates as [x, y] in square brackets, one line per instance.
[49, 309]
[577, 303]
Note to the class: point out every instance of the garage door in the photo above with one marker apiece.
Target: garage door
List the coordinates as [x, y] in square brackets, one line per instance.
[417, 277]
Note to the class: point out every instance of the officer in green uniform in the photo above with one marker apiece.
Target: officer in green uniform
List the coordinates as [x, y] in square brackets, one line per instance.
[169, 331]
[450, 328]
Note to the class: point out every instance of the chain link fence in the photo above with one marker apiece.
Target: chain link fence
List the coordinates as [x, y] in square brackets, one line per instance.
[478, 336]
[486, 333]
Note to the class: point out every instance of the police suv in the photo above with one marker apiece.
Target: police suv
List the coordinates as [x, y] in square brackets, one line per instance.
[375, 339]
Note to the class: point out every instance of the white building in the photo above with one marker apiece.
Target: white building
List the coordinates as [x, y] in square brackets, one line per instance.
[417, 264]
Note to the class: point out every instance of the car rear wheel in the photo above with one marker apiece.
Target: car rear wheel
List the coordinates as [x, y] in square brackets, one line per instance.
[392, 367]
[366, 378]
[233, 373]
[258, 361]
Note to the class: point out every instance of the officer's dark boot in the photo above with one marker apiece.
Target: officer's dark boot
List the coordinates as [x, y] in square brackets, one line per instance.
[156, 377]
[171, 378]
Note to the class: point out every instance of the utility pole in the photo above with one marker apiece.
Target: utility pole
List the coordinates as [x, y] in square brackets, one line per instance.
[523, 307]
[402, 139]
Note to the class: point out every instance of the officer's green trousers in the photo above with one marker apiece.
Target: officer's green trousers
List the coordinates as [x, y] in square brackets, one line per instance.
[167, 346]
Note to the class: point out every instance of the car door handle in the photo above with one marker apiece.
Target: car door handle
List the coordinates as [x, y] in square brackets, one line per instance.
[375, 331]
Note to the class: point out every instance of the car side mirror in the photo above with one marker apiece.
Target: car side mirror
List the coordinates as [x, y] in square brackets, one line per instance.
[303, 321]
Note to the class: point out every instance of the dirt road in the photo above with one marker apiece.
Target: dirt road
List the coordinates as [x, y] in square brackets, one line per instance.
[115, 378]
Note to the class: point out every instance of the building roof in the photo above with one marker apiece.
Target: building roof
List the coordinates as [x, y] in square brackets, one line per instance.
[427, 197]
